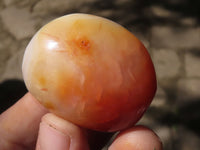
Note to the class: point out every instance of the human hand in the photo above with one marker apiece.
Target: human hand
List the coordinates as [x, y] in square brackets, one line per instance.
[27, 126]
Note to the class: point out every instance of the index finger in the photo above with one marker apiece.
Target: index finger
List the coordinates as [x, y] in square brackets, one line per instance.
[20, 123]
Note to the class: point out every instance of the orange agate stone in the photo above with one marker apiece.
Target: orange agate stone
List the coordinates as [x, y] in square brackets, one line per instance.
[90, 71]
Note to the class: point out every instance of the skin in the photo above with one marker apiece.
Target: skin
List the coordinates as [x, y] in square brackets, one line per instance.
[90, 71]
[19, 127]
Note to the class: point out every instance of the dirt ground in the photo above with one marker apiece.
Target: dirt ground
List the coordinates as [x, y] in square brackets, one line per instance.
[170, 29]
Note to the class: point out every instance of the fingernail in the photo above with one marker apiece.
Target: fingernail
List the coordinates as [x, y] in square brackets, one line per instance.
[52, 139]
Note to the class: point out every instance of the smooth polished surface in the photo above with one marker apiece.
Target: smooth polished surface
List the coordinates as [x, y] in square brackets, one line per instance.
[90, 71]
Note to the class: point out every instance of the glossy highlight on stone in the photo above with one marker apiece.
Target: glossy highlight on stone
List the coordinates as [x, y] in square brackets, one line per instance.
[90, 71]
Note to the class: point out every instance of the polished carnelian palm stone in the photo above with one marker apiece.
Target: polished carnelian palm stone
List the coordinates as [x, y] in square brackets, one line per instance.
[90, 71]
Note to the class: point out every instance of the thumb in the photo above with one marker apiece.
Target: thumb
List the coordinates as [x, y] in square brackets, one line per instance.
[58, 134]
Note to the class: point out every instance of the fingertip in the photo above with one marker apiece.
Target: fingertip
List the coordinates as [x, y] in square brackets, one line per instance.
[50, 138]
[137, 138]
[57, 133]
[62, 125]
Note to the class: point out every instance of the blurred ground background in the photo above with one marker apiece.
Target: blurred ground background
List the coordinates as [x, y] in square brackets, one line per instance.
[170, 29]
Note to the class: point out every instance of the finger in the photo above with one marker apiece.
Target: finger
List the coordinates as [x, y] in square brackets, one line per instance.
[137, 138]
[19, 124]
[59, 134]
